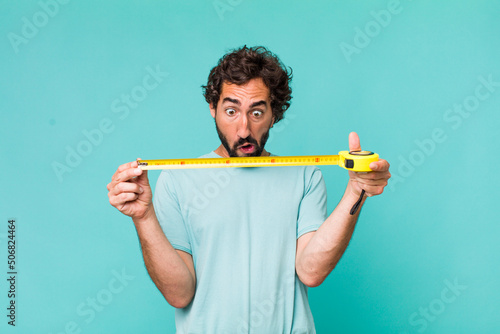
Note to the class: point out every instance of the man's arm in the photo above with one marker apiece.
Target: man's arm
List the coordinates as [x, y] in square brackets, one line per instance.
[319, 252]
[171, 270]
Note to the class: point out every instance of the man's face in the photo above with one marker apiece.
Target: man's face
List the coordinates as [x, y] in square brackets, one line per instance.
[243, 118]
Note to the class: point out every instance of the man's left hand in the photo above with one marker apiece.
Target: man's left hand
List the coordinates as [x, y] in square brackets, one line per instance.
[372, 182]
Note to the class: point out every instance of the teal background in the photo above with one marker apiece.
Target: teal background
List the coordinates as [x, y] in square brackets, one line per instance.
[435, 224]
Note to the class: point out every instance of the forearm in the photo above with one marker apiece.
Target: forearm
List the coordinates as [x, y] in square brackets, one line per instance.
[165, 266]
[329, 242]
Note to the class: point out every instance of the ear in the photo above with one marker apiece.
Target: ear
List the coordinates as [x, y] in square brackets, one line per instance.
[272, 122]
[212, 109]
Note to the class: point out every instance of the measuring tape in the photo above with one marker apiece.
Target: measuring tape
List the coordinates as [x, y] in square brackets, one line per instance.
[357, 161]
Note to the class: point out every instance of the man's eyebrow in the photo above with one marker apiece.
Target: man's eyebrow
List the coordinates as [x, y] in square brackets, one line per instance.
[228, 99]
[237, 102]
[258, 103]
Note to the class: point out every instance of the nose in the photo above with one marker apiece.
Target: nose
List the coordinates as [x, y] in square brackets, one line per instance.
[243, 127]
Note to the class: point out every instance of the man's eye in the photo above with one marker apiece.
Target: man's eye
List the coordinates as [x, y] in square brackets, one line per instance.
[230, 111]
[257, 113]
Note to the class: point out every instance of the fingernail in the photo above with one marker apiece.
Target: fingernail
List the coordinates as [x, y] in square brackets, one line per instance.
[137, 171]
[141, 190]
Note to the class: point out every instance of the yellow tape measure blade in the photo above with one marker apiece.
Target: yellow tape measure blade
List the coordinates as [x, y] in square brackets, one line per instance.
[270, 161]
[356, 161]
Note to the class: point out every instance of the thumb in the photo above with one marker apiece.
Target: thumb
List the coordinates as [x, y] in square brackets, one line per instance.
[143, 178]
[354, 144]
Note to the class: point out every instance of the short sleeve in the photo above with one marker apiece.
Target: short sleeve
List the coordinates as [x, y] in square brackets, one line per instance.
[169, 213]
[312, 209]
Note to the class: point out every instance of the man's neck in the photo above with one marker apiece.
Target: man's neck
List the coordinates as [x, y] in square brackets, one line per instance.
[221, 151]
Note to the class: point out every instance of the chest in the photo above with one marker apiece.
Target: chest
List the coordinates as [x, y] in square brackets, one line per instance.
[243, 201]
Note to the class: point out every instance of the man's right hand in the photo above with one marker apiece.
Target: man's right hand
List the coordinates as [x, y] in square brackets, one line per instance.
[129, 191]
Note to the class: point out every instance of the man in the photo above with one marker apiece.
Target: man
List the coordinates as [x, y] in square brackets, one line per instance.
[234, 250]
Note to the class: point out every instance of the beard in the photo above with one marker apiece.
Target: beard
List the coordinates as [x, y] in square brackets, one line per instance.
[233, 151]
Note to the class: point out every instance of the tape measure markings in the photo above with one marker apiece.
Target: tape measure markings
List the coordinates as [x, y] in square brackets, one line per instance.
[355, 162]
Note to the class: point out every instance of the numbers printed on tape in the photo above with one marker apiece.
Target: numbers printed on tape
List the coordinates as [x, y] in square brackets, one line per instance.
[357, 161]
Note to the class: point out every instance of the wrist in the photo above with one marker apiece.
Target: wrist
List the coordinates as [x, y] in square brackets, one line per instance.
[353, 197]
[148, 214]
[352, 192]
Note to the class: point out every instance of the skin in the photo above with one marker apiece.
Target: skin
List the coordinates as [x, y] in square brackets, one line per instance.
[318, 252]
[243, 116]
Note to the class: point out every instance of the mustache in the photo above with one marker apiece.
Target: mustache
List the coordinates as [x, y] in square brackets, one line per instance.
[247, 140]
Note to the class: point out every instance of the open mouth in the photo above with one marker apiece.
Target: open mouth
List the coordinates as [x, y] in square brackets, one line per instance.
[248, 148]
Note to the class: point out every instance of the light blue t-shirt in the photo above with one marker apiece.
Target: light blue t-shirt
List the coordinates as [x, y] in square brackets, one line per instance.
[241, 226]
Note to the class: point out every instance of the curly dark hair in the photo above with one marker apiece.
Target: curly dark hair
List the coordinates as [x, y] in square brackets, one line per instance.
[243, 64]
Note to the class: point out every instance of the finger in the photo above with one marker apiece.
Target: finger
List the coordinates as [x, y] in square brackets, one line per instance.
[125, 166]
[128, 174]
[379, 166]
[142, 179]
[354, 144]
[372, 183]
[370, 175]
[122, 198]
[372, 188]
[126, 187]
